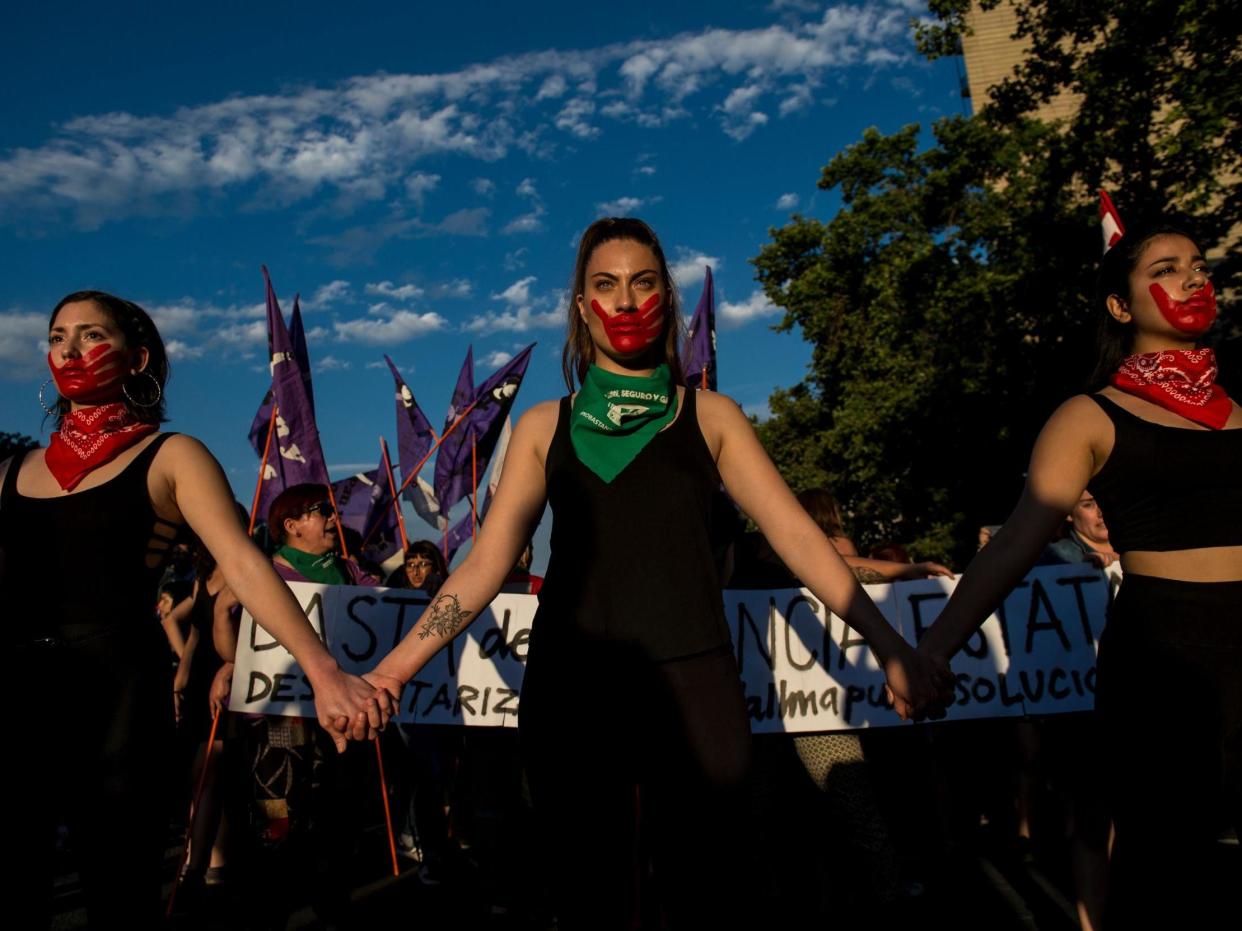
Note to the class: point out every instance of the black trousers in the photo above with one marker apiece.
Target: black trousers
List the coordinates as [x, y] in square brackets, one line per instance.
[1169, 709]
[629, 759]
[97, 757]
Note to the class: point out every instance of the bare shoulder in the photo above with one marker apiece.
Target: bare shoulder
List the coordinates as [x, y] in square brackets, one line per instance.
[181, 449]
[721, 419]
[1083, 418]
[535, 429]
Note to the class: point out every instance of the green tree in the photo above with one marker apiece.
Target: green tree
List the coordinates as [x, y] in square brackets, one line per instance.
[948, 301]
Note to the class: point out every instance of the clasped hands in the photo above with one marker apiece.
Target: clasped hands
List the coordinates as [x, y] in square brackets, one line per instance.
[919, 683]
[353, 707]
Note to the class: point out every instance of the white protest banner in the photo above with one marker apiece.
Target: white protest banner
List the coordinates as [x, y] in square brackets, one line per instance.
[803, 669]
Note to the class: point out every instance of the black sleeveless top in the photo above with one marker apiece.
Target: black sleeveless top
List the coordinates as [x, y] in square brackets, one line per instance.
[76, 566]
[631, 560]
[1169, 488]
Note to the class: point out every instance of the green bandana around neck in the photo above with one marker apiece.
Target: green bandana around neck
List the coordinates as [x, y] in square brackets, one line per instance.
[325, 569]
[615, 416]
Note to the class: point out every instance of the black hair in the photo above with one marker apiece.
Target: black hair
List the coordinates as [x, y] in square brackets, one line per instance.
[579, 351]
[140, 333]
[1115, 340]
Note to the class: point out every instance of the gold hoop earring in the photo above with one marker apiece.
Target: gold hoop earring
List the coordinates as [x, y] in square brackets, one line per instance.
[159, 392]
[52, 411]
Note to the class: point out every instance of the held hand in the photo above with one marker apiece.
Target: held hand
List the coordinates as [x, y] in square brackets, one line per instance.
[349, 708]
[221, 687]
[942, 675]
[1101, 560]
[386, 683]
[913, 684]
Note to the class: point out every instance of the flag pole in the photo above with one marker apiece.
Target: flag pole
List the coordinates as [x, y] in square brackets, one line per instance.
[267, 449]
[406, 479]
[194, 808]
[392, 490]
[392, 840]
[474, 482]
[703, 382]
[340, 528]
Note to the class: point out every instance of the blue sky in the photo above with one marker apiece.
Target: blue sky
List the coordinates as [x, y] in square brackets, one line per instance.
[420, 174]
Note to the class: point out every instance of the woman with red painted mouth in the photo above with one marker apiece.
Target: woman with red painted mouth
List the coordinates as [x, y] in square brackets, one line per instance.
[1158, 445]
[631, 692]
[109, 497]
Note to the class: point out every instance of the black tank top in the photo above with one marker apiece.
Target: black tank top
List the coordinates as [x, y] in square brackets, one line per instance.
[76, 566]
[631, 560]
[1169, 488]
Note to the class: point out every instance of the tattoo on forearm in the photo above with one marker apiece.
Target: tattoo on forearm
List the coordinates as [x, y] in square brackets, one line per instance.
[868, 576]
[444, 617]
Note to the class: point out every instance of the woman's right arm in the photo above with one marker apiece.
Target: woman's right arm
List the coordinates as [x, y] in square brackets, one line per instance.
[171, 622]
[470, 589]
[1074, 442]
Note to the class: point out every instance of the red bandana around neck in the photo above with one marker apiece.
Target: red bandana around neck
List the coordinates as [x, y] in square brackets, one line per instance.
[1179, 380]
[89, 437]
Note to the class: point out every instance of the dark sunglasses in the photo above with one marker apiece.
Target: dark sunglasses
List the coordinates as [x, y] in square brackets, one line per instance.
[319, 507]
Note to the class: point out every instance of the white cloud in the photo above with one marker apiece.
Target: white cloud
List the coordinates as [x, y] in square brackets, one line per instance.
[458, 287]
[646, 169]
[754, 307]
[405, 292]
[515, 321]
[527, 189]
[178, 350]
[625, 206]
[329, 293]
[530, 222]
[688, 268]
[330, 364]
[418, 185]
[397, 327]
[23, 343]
[484, 187]
[518, 292]
[516, 259]
[366, 137]
[787, 202]
[494, 360]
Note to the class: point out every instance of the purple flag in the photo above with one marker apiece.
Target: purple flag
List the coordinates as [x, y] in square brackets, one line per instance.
[698, 360]
[480, 431]
[364, 504]
[258, 428]
[463, 393]
[415, 438]
[460, 534]
[296, 455]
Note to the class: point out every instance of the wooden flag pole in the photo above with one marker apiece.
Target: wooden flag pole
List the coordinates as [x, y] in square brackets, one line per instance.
[194, 808]
[703, 382]
[406, 479]
[392, 840]
[392, 490]
[267, 449]
[340, 528]
[474, 483]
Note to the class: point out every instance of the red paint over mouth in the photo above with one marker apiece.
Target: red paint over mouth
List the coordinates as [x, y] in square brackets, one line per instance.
[1192, 316]
[91, 378]
[633, 331]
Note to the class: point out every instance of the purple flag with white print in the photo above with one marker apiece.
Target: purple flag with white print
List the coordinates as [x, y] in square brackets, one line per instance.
[459, 535]
[415, 437]
[463, 392]
[498, 467]
[698, 360]
[480, 432]
[296, 455]
[364, 504]
[297, 335]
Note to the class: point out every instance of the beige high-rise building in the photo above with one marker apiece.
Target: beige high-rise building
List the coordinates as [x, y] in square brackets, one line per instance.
[991, 53]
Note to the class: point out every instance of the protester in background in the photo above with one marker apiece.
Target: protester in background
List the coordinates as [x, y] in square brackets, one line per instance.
[110, 484]
[891, 552]
[303, 524]
[520, 581]
[631, 605]
[1175, 516]
[1086, 536]
[432, 754]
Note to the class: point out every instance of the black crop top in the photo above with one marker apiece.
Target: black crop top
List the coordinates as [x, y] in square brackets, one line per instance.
[632, 560]
[1169, 488]
[78, 565]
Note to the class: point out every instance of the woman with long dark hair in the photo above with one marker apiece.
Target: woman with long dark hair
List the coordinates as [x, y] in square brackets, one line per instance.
[1159, 446]
[631, 685]
[108, 497]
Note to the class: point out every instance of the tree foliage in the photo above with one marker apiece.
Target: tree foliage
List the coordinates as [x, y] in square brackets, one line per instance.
[11, 443]
[948, 301]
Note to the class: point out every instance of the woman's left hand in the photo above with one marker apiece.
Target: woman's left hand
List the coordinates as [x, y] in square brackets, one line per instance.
[915, 686]
[221, 687]
[349, 707]
[926, 570]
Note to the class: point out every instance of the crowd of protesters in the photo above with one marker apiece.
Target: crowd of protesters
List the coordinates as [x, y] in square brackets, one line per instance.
[638, 801]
